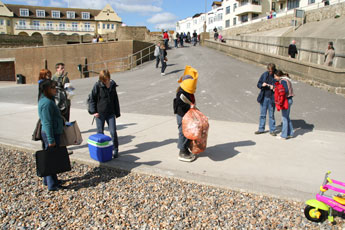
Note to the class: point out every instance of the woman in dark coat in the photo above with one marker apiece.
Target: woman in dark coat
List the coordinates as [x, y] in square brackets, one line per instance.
[104, 105]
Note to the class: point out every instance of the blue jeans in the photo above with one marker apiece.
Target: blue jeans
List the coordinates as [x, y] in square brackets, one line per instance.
[157, 61]
[164, 66]
[175, 40]
[51, 180]
[267, 104]
[110, 119]
[182, 142]
[287, 129]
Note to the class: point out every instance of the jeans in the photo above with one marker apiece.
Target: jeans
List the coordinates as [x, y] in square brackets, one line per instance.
[267, 104]
[164, 66]
[182, 142]
[110, 119]
[287, 129]
[166, 43]
[51, 180]
[175, 40]
[157, 61]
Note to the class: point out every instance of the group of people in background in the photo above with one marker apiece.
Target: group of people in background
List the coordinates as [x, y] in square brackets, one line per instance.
[329, 53]
[181, 38]
[54, 110]
[97, 38]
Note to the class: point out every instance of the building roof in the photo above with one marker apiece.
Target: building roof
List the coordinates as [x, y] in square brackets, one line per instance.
[217, 3]
[197, 15]
[63, 12]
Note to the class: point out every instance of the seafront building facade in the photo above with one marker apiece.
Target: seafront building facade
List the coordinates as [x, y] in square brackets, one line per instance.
[226, 14]
[39, 20]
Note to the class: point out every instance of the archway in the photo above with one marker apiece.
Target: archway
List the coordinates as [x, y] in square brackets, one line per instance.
[23, 34]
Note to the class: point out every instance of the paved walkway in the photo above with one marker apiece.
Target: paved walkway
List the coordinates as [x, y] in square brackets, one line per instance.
[235, 157]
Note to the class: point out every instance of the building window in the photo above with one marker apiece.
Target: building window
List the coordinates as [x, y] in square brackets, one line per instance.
[256, 2]
[74, 26]
[62, 25]
[227, 23]
[112, 26]
[234, 21]
[108, 26]
[8, 22]
[311, 1]
[55, 14]
[195, 21]
[1, 22]
[202, 18]
[87, 26]
[40, 13]
[70, 14]
[22, 23]
[227, 10]
[24, 12]
[36, 24]
[220, 17]
[255, 16]
[85, 15]
[244, 18]
[244, 2]
[103, 26]
[188, 25]
[292, 4]
[235, 6]
[49, 25]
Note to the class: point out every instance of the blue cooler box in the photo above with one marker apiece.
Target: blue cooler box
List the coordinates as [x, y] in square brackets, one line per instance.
[100, 147]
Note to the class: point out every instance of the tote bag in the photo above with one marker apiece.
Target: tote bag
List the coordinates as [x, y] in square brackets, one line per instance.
[71, 134]
[52, 161]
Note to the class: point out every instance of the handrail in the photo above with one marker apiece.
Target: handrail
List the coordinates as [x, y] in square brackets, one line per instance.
[119, 64]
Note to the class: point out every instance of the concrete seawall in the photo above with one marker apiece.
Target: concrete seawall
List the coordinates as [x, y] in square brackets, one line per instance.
[329, 78]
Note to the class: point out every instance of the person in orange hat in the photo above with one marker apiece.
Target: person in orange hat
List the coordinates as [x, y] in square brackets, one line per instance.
[187, 87]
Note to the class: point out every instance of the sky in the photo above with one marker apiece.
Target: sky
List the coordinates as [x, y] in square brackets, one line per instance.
[154, 14]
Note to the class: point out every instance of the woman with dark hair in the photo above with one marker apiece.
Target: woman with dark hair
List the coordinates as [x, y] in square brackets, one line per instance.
[329, 54]
[105, 107]
[287, 128]
[52, 124]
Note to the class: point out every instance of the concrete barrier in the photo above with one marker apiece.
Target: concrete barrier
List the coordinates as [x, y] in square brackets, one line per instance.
[329, 78]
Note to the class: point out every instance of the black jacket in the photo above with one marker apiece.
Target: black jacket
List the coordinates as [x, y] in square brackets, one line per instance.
[105, 100]
[180, 107]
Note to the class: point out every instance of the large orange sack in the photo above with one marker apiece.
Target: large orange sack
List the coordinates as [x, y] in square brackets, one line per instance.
[195, 127]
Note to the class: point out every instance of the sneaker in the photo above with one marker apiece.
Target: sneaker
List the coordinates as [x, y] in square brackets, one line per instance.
[290, 137]
[163, 74]
[273, 134]
[258, 132]
[186, 157]
[281, 138]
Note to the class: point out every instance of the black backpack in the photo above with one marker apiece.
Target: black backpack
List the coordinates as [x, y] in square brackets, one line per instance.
[88, 101]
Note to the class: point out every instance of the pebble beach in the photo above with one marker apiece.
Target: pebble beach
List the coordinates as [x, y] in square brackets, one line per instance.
[105, 198]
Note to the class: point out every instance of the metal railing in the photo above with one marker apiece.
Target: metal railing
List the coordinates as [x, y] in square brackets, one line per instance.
[119, 64]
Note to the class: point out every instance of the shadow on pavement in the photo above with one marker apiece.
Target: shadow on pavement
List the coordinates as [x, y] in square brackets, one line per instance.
[300, 127]
[118, 127]
[139, 148]
[225, 151]
[175, 71]
[171, 64]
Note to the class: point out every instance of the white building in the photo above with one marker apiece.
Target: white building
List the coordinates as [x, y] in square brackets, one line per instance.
[232, 13]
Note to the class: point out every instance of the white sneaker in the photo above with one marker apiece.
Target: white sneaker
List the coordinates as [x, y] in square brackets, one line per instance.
[163, 74]
[281, 138]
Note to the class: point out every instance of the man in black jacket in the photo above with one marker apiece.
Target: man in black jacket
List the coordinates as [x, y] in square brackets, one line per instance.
[292, 49]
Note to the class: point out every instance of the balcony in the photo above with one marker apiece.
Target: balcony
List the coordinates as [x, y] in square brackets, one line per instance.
[50, 28]
[248, 8]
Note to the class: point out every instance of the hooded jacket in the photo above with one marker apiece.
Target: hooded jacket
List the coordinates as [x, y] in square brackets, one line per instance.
[105, 100]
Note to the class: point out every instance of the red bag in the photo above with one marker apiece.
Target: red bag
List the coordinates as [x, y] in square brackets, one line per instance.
[195, 127]
[280, 97]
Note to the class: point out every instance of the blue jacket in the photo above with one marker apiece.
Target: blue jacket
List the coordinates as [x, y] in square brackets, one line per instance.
[269, 79]
[51, 120]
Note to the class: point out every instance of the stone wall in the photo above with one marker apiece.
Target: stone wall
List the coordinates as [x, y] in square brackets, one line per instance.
[331, 79]
[285, 21]
[310, 49]
[29, 61]
[12, 41]
[139, 33]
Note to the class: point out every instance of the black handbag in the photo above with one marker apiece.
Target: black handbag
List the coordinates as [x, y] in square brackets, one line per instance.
[52, 161]
[260, 96]
[36, 135]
